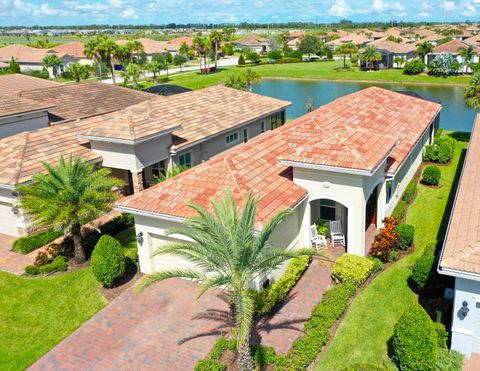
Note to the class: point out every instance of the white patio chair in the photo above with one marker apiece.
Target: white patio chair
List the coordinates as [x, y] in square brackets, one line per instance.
[317, 241]
[336, 233]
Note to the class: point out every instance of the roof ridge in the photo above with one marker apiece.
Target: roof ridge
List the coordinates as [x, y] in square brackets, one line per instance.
[131, 126]
[229, 163]
[21, 158]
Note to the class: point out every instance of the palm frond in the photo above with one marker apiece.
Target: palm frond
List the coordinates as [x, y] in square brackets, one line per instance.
[147, 280]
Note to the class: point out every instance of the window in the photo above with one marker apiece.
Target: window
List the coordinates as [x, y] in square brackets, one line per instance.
[245, 135]
[158, 168]
[231, 138]
[277, 119]
[262, 127]
[389, 190]
[185, 159]
[327, 209]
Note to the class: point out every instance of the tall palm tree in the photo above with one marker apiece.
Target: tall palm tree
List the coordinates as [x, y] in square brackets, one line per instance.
[342, 51]
[103, 50]
[228, 255]
[52, 61]
[216, 38]
[371, 55]
[467, 55]
[134, 47]
[111, 51]
[423, 49]
[251, 77]
[351, 48]
[94, 51]
[155, 67]
[78, 72]
[132, 73]
[184, 48]
[69, 195]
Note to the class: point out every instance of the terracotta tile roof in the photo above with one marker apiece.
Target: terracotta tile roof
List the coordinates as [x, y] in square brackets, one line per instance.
[397, 48]
[294, 42]
[474, 40]
[461, 250]
[13, 84]
[23, 54]
[350, 38]
[200, 113]
[22, 154]
[10, 105]
[363, 126]
[451, 47]
[251, 40]
[182, 39]
[75, 101]
[75, 49]
[152, 46]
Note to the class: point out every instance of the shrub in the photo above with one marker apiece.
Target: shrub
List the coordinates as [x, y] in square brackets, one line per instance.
[414, 340]
[438, 133]
[263, 355]
[210, 365]
[406, 232]
[117, 224]
[60, 263]
[393, 256]
[431, 175]
[442, 334]
[241, 60]
[442, 150]
[108, 260]
[414, 67]
[410, 192]
[386, 240]
[28, 244]
[352, 269]
[294, 54]
[266, 299]
[41, 258]
[43, 74]
[377, 264]
[449, 360]
[31, 269]
[400, 211]
[274, 54]
[423, 266]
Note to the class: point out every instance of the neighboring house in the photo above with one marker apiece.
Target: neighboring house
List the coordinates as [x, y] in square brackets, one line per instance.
[256, 43]
[473, 29]
[29, 59]
[182, 39]
[153, 47]
[357, 39]
[296, 34]
[460, 253]
[474, 40]
[75, 51]
[452, 47]
[349, 160]
[389, 51]
[139, 142]
[293, 44]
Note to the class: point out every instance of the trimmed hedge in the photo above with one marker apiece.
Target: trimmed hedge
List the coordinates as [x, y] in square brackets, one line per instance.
[108, 260]
[441, 151]
[266, 299]
[352, 269]
[431, 175]
[30, 243]
[449, 360]
[423, 266]
[400, 211]
[414, 340]
[407, 233]
[60, 263]
[410, 192]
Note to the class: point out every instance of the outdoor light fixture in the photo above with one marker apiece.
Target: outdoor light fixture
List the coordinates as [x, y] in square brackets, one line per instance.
[139, 238]
[464, 309]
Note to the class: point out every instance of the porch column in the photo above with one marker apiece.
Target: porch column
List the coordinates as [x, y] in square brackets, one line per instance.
[137, 180]
[381, 203]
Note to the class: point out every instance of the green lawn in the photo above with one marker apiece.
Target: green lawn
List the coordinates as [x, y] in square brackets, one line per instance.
[36, 313]
[363, 334]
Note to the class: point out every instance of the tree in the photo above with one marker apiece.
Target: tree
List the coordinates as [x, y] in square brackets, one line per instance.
[216, 38]
[252, 56]
[243, 80]
[179, 60]
[104, 50]
[69, 195]
[134, 47]
[423, 49]
[370, 55]
[155, 67]
[132, 73]
[398, 60]
[162, 61]
[472, 92]
[13, 66]
[342, 51]
[202, 46]
[52, 61]
[78, 72]
[184, 48]
[310, 44]
[467, 55]
[241, 60]
[228, 254]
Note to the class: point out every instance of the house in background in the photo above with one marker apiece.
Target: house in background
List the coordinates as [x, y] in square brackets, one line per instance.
[256, 43]
[348, 161]
[460, 257]
[390, 50]
[138, 143]
[452, 47]
[75, 51]
[357, 39]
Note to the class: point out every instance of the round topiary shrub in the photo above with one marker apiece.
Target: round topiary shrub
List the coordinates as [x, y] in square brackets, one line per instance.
[431, 175]
[241, 60]
[414, 341]
[406, 232]
[108, 260]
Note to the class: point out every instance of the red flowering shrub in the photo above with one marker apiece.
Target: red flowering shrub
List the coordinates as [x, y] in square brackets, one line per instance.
[386, 241]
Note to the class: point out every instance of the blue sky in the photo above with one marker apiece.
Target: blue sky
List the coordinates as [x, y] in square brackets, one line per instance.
[58, 12]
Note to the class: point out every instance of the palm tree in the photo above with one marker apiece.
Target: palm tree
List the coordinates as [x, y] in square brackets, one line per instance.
[155, 67]
[94, 51]
[251, 77]
[350, 48]
[228, 255]
[103, 50]
[78, 72]
[202, 46]
[371, 55]
[134, 47]
[216, 38]
[342, 51]
[423, 49]
[132, 73]
[52, 61]
[111, 51]
[184, 48]
[467, 55]
[70, 194]
[472, 92]
[398, 60]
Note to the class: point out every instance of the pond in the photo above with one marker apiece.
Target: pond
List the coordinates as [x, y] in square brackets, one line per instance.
[454, 115]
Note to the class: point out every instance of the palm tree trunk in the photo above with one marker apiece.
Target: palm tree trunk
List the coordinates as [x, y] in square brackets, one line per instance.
[216, 55]
[344, 63]
[79, 252]
[112, 67]
[155, 80]
[244, 358]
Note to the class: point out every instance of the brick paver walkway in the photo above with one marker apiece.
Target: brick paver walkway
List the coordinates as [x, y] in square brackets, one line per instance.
[12, 261]
[162, 328]
[285, 326]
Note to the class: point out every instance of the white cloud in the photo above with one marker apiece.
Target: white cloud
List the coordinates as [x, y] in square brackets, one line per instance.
[468, 9]
[448, 5]
[129, 13]
[259, 4]
[424, 14]
[340, 8]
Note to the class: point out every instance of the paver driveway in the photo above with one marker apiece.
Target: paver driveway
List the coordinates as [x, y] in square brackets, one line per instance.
[163, 328]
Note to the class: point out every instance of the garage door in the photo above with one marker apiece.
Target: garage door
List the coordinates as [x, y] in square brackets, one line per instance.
[476, 330]
[164, 262]
[8, 220]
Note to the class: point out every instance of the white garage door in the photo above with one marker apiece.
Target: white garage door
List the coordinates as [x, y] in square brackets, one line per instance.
[165, 262]
[8, 220]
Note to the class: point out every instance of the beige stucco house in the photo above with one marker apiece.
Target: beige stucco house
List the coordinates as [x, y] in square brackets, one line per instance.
[347, 161]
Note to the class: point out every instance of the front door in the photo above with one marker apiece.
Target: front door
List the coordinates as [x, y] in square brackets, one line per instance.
[371, 210]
